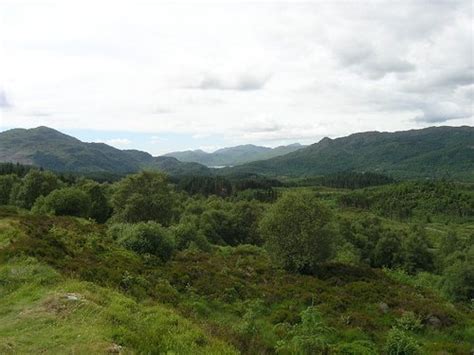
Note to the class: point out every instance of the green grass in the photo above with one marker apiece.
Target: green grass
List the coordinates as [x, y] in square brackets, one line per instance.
[41, 312]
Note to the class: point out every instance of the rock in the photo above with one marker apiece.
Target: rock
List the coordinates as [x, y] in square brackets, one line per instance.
[433, 321]
[384, 307]
[114, 349]
[72, 297]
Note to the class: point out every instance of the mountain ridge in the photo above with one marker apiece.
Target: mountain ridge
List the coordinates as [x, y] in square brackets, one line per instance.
[236, 155]
[48, 148]
[427, 152]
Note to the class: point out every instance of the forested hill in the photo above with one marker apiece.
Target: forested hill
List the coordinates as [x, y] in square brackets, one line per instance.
[429, 152]
[53, 150]
[231, 156]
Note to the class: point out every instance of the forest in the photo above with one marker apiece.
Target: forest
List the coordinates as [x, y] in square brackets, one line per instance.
[345, 263]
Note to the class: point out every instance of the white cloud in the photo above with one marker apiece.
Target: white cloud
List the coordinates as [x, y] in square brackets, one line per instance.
[245, 72]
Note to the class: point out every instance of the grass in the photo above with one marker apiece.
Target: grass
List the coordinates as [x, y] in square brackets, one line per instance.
[41, 312]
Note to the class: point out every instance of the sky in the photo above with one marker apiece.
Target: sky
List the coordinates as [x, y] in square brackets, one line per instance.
[167, 76]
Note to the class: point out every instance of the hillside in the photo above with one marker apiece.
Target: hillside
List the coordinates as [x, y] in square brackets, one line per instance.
[67, 287]
[429, 152]
[234, 155]
[53, 150]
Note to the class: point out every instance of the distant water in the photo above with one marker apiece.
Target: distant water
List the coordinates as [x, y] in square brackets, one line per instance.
[220, 166]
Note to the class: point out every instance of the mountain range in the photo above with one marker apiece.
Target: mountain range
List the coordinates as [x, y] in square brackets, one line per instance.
[237, 155]
[424, 153]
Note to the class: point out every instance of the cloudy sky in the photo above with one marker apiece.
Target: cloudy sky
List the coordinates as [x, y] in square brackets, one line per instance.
[171, 76]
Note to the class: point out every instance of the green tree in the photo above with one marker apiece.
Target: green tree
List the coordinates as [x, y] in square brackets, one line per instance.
[387, 252]
[458, 281]
[297, 231]
[35, 184]
[7, 183]
[143, 197]
[417, 255]
[100, 208]
[68, 201]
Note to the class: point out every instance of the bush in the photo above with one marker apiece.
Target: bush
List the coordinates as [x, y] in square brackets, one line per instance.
[145, 238]
[311, 336]
[358, 347]
[68, 201]
[297, 231]
[409, 322]
[400, 343]
[186, 234]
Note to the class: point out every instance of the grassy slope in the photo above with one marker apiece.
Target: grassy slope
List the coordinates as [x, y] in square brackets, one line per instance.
[42, 311]
[232, 294]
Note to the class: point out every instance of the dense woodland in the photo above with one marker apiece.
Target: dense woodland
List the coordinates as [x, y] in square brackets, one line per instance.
[348, 263]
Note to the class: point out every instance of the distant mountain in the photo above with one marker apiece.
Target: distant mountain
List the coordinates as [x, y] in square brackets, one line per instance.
[56, 151]
[234, 155]
[429, 152]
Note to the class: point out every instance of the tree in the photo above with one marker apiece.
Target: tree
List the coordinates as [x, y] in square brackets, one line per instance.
[145, 238]
[143, 197]
[7, 183]
[458, 281]
[297, 231]
[68, 201]
[35, 184]
[100, 209]
[387, 251]
[417, 255]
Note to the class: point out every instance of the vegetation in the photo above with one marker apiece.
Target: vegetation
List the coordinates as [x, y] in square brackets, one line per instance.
[150, 264]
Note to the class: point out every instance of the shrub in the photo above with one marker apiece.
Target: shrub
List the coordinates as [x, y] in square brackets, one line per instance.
[400, 343]
[358, 347]
[409, 322]
[68, 201]
[145, 238]
[187, 234]
[311, 336]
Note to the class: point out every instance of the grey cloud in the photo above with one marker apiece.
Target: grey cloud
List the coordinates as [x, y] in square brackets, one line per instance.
[363, 58]
[243, 82]
[442, 112]
[4, 103]
[449, 79]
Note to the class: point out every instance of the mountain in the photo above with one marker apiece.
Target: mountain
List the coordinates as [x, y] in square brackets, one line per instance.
[234, 155]
[429, 152]
[56, 151]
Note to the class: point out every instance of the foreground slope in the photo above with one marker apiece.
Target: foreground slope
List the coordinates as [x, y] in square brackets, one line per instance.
[66, 286]
[430, 152]
[53, 150]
